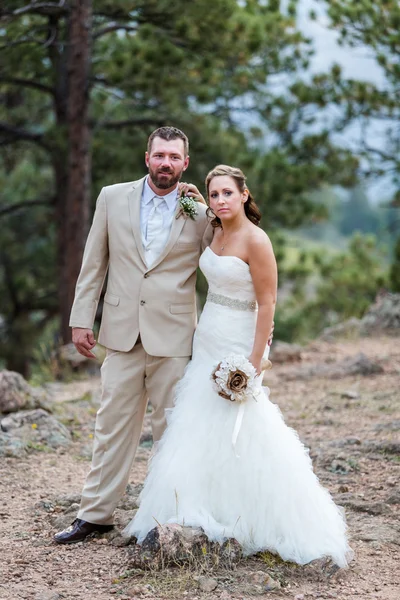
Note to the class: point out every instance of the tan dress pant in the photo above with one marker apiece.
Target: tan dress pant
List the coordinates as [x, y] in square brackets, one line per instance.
[129, 379]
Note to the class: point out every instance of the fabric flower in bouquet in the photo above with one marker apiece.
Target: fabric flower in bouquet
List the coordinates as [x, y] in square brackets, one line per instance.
[235, 378]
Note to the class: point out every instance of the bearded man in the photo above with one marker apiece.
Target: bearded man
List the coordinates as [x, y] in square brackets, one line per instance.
[150, 249]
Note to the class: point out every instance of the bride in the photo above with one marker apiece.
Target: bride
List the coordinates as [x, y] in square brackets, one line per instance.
[250, 480]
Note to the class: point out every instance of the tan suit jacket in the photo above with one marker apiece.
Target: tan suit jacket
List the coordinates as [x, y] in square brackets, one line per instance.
[158, 302]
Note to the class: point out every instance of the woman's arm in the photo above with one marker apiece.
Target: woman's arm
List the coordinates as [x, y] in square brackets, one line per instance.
[264, 274]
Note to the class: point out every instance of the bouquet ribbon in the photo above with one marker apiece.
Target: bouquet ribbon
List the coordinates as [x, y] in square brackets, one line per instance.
[239, 421]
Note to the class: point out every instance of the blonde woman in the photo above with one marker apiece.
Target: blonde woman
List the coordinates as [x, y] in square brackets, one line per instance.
[249, 478]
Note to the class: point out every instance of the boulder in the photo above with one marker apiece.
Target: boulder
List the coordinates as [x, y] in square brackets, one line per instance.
[16, 394]
[36, 429]
[383, 316]
[173, 545]
[11, 447]
[69, 355]
[359, 364]
[349, 329]
[282, 352]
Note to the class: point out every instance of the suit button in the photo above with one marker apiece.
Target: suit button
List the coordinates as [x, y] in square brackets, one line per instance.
[142, 302]
[146, 275]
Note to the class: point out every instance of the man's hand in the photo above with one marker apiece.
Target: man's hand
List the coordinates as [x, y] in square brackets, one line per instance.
[84, 341]
[271, 335]
[190, 190]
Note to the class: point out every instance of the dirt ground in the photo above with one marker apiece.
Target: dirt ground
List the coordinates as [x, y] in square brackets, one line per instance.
[352, 427]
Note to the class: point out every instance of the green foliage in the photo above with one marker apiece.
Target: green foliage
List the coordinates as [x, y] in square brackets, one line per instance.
[394, 278]
[358, 214]
[330, 287]
[208, 67]
[373, 24]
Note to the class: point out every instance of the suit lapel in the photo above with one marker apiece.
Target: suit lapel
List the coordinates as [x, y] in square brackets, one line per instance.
[176, 228]
[135, 200]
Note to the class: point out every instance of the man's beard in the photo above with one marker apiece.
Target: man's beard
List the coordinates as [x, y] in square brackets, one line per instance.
[163, 183]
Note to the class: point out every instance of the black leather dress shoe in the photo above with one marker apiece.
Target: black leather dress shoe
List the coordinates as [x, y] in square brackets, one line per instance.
[79, 530]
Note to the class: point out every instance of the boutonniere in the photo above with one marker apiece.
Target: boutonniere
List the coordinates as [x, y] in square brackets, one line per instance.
[187, 207]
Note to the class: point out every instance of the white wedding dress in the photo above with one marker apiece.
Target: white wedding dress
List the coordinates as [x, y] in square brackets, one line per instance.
[262, 490]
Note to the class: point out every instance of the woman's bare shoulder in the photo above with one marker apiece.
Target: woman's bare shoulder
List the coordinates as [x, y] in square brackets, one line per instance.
[258, 241]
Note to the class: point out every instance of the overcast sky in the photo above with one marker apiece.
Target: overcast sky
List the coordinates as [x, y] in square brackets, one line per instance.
[356, 63]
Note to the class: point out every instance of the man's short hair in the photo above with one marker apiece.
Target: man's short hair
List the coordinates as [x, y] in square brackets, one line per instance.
[169, 133]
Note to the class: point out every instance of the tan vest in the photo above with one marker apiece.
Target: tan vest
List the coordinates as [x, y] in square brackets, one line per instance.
[159, 302]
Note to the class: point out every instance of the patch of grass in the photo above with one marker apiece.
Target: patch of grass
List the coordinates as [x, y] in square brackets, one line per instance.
[353, 464]
[81, 458]
[164, 583]
[272, 561]
[38, 447]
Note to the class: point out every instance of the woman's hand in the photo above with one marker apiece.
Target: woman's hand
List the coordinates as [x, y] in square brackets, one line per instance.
[190, 190]
[256, 362]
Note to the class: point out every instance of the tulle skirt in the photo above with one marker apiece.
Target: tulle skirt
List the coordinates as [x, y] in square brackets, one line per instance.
[260, 490]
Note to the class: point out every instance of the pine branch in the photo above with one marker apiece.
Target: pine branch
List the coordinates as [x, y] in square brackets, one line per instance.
[31, 83]
[113, 27]
[41, 8]
[158, 121]
[14, 134]
[6, 210]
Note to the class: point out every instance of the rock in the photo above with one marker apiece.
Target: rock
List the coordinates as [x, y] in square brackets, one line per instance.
[129, 500]
[392, 426]
[68, 500]
[394, 498]
[120, 541]
[340, 466]
[16, 394]
[343, 443]
[138, 590]
[391, 448]
[373, 508]
[282, 352]
[369, 529]
[343, 489]
[128, 503]
[350, 394]
[11, 447]
[73, 509]
[349, 329]
[357, 365]
[207, 584]
[46, 505]
[174, 544]
[47, 596]
[360, 365]
[257, 577]
[259, 582]
[61, 522]
[383, 316]
[271, 584]
[68, 354]
[37, 429]
[299, 597]
[146, 439]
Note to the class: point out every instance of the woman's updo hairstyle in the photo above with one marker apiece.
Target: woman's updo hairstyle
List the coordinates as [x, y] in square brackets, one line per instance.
[250, 207]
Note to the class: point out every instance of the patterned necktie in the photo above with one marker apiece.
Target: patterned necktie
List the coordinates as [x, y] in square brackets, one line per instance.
[155, 221]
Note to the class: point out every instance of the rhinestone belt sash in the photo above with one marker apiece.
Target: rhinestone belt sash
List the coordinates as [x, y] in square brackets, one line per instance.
[231, 302]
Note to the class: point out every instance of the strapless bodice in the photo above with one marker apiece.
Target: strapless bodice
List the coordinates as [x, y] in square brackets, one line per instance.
[227, 276]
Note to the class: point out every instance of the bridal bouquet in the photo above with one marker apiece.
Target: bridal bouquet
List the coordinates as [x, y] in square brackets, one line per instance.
[235, 378]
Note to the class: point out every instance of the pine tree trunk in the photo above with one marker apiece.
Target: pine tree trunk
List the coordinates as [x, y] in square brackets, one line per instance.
[74, 211]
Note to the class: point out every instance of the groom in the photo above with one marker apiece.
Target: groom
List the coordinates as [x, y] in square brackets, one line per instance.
[151, 252]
